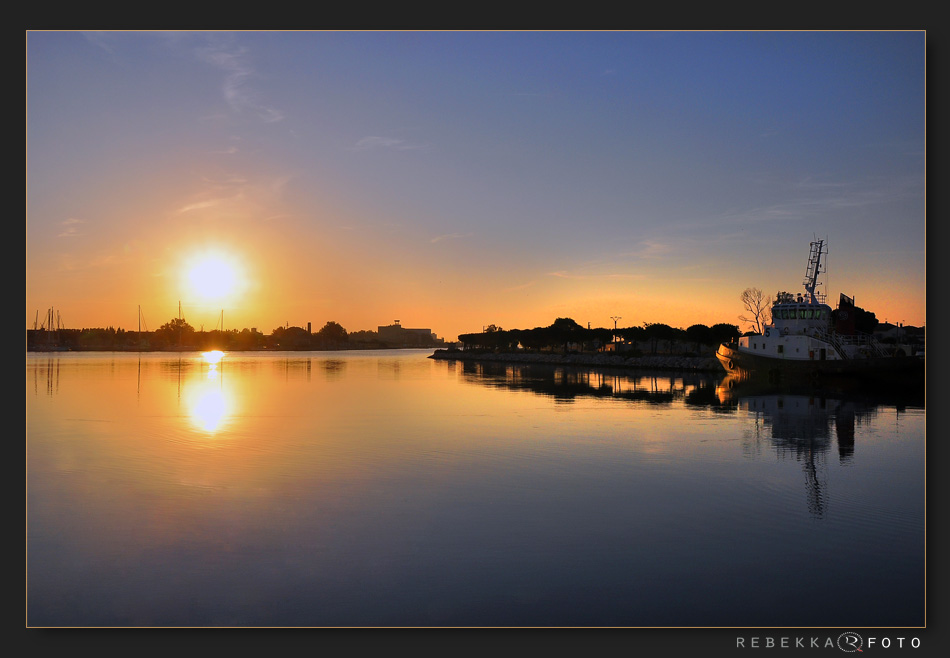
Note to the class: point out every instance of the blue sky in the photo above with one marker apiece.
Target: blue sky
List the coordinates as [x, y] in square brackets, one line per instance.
[457, 179]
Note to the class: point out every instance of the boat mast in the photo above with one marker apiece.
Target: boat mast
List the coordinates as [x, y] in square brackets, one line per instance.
[813, 270]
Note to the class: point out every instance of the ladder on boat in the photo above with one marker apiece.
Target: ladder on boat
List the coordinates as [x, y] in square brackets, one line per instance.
[814, 268]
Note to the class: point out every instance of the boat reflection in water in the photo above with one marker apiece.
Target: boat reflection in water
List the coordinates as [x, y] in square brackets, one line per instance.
[797, 418]
[806, 422]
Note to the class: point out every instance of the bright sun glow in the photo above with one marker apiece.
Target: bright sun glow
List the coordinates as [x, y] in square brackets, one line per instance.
[213, 357]
[214, 277]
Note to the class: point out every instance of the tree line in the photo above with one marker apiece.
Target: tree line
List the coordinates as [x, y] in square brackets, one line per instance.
[564, 334]
[178, 334]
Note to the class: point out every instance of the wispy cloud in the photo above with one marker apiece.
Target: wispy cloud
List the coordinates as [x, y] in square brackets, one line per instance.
[99, 39]
[373, 142]
[618, 265]
[201, 205]
[240, 95]
[650, 249]
[258, 196]
[450, 236]
[564, 274]
[843, 194]
[812, 198]
[70, 227]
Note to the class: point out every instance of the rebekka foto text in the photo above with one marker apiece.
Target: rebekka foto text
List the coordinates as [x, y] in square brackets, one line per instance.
[848, 642]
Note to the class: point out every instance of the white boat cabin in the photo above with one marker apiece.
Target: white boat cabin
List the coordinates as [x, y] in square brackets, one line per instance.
[800, 330]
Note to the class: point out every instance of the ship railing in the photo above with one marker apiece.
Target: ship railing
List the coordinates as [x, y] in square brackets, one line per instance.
[861, 341]
[833, 338]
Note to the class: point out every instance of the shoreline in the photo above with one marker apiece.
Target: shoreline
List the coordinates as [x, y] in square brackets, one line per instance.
[191, 348]
[652, 362]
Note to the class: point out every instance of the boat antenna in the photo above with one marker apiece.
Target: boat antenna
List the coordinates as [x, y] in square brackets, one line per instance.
[813, 269]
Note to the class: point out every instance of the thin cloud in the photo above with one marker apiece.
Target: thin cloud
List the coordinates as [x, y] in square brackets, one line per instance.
[238, 92]
[70, 227]
[237, 192]
[614, 266]
[811, 197]
[374, 142]
[200, 205]
[450, 236]
[651, 249]
[273, 218]
[564, 274]
[100, 40]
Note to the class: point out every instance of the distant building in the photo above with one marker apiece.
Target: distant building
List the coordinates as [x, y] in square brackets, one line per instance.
[398, 336]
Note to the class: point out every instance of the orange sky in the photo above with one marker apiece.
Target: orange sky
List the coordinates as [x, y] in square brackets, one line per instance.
[452, 181]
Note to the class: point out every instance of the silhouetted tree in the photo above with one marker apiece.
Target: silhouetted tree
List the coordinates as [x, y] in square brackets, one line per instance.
[699, 334]
[247, 339]
[657, 332]
[290, 338]
[175, 332]
[332, 335]
[725, 333]
[759, 307]
[564, 331]
[600, 336]
[633, 334]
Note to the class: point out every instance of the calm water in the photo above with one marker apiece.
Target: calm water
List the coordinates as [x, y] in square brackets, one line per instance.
[389, 489]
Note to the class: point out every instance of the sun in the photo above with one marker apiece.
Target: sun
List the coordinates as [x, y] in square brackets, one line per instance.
[214, 276]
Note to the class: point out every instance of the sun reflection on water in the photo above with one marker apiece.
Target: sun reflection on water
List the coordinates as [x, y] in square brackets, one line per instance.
[213, 357]
[209, 409]
[208, 403]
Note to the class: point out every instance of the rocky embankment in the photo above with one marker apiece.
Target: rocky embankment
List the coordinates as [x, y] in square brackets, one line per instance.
[652, 362]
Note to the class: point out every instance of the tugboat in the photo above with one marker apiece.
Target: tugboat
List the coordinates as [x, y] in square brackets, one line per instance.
[803, 341]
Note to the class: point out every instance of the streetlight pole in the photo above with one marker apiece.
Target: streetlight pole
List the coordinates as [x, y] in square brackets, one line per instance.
[615, 318]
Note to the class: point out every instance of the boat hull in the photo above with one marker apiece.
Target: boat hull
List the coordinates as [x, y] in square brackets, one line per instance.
[742, 363]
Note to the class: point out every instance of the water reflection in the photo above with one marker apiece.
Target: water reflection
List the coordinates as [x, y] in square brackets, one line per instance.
[333, 369]
[295, 367]
[209, 406]
[168, 490]
[799, 422]
[46, 371]
[804, 422]
[213, 357]
[565, 384]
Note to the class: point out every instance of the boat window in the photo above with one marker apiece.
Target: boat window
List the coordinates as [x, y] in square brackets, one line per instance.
[801, 313]
[781, 349]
